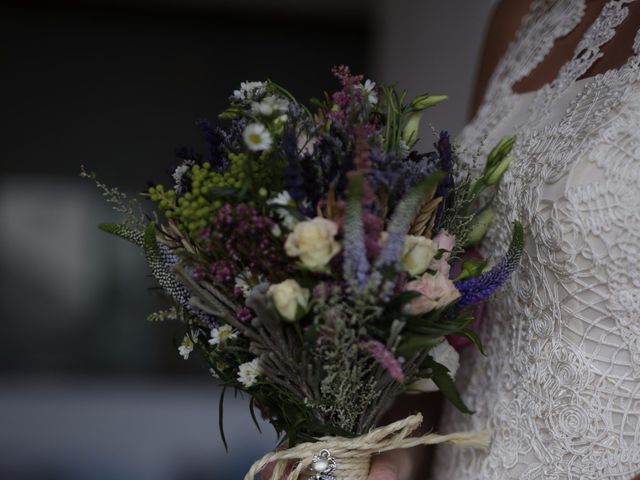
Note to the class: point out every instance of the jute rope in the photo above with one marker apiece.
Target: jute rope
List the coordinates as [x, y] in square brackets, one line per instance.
[353, 455]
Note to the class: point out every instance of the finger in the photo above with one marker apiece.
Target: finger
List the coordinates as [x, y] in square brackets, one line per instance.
[383, 470]
[391, 465]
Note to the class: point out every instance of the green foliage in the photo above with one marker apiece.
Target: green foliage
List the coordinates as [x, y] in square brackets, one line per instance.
[412, 344]
[163, 315]
[210, 189]
[348, 386]
[437, 324]
[123, 231]
[474, 338]
[120, 202]
[471, 268]
[442, 378]
[415, 110]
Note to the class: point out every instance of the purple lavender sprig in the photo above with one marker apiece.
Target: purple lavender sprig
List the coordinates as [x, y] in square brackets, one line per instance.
[477, 289]
[294, 180]
[445, 152]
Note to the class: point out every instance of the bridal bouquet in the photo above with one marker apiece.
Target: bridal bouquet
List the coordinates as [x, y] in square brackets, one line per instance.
[314, 259]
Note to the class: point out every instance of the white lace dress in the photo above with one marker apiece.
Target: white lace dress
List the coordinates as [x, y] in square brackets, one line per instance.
[560, 386]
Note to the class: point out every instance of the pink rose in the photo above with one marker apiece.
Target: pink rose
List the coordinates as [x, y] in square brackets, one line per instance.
[445, 241]
[437, 292]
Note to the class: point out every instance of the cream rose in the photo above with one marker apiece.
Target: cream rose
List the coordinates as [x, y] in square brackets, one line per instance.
[290, 299]
[313, 241]
[444, 354]
[437, 292]
[417, 254]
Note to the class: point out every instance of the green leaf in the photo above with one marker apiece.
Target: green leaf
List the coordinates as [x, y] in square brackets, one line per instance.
[438, 325]
[253, 414]
[471, 268]
[475, 339]
[130, 234]
[414, 343]
[423, 102]
[221, 419]
[442, 378]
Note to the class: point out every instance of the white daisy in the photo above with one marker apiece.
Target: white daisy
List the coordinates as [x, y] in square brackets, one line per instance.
[186, 347]
[248, 373]
[257, 137]
[179, 173]
[242, 284]
[222, 334]
[306, 144]
[249, 91]
[284, 199]
[369, 88]
[270, 105]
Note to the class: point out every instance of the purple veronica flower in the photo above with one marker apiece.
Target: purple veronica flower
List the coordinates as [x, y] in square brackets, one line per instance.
[477, 289]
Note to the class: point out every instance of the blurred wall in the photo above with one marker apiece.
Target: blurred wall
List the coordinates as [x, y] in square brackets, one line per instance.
[432, 46]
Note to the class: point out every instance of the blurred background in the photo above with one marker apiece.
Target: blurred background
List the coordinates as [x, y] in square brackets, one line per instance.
[89, 389]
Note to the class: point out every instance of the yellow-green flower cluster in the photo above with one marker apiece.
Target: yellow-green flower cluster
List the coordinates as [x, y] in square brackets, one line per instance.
[196, 207]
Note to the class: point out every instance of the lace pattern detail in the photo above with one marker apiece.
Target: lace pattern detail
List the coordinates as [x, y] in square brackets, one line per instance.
[560, 386]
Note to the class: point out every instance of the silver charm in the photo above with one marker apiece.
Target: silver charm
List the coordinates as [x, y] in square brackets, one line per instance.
[323, 466]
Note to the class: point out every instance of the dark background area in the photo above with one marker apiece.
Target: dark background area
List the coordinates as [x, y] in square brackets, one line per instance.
[88, 388]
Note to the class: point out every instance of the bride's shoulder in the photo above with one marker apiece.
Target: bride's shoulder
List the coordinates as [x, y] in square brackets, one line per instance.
[503, 26]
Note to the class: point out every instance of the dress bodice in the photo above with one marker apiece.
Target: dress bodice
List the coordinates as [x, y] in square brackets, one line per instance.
[559, 389]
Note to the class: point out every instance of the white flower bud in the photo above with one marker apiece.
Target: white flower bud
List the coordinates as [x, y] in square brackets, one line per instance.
[290, 299]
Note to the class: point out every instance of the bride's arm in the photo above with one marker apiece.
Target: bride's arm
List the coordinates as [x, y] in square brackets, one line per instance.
[501, 30]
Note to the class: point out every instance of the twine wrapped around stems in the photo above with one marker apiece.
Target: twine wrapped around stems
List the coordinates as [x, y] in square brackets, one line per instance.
[353, 455]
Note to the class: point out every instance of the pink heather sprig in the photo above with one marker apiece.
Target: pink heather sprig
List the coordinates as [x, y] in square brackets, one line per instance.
[385, 358]
[343, 98]
[347, 79]
[236, 233]
[244, 314]
[223, 271]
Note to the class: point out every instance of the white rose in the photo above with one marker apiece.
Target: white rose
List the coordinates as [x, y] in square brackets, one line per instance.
[444, 354]
[290, 299]
[313, 241]
[417, 254]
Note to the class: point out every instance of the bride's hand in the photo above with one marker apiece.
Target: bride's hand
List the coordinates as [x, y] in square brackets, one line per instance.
[392, 465]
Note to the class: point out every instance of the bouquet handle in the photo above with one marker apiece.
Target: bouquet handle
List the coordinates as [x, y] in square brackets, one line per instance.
[353, 455]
